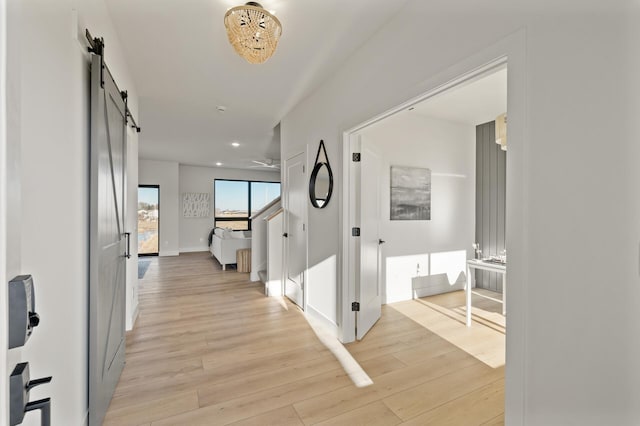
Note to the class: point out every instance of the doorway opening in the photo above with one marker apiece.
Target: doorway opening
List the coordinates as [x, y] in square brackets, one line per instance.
[427, 183]
[148, 220]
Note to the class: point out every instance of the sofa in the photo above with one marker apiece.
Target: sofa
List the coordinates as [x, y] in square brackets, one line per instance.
[225, 243]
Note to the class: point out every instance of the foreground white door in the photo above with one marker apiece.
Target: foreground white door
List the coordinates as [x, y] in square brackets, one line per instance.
[107, 246]
[295, 228]
[369, 291]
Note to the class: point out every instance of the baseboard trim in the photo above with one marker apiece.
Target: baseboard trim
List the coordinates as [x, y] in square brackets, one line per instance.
[131, 322]
[437, 289]
[319, 316]
[169, 253]
[193, 249]
[136, 312]
[274, 288]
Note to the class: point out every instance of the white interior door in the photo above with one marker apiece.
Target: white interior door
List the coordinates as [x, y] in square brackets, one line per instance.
[295, 228]
[369, 291]
[107, 283]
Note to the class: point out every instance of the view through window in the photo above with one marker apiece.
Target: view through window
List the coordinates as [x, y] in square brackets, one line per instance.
[236, 200]
[148, 219]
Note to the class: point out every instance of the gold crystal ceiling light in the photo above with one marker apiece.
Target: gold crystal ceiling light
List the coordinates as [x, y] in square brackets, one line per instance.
[253, 32]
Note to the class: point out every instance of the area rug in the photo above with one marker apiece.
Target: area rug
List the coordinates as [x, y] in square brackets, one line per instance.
[143, 265]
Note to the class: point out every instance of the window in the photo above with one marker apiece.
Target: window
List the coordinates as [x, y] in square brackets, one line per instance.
[236, 200]
[148, 220]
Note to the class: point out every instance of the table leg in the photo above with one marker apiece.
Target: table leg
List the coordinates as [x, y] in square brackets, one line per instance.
[504, 293]
[470, 280]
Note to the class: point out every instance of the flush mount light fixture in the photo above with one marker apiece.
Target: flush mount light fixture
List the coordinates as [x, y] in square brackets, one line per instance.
[253, 32]
[218, 164]
[235, 144]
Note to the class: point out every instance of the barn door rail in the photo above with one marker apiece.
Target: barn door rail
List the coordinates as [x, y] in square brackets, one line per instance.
[96, 46]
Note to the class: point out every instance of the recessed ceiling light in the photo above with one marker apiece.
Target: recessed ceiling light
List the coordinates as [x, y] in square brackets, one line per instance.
[235, 144]
[221, 108]
[218, 164]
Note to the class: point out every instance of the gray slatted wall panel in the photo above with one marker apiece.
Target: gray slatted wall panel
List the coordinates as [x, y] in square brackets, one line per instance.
[502, 207]
[490, 201]
[486, 204]
[489, 133]
[479, 185]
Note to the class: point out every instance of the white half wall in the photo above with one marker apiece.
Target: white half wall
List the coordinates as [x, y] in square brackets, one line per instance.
[260, 241]
[426, 257]
[573, 237]
[166, 174]
[194, 232]
[55, 189]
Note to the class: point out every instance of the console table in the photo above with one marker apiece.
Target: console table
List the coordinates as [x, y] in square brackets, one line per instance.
[471, 283]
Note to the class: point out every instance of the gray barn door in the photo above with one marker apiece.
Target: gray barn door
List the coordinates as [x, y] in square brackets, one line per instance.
[107, 241]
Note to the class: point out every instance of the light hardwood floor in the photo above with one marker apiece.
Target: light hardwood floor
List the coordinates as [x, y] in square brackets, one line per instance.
[209, 348]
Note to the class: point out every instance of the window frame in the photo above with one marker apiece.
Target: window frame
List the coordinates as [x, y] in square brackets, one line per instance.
[238, 219]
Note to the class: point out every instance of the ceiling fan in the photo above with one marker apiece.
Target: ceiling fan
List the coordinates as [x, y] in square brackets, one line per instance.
[268, 163]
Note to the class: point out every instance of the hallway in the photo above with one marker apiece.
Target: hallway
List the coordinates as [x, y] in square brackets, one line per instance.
[208, 348]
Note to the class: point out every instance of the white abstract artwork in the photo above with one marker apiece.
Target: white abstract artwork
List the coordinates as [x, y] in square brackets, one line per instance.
[195, 204]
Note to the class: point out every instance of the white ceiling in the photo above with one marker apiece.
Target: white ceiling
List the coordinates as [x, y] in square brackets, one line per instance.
[183, 67]
[477, 102]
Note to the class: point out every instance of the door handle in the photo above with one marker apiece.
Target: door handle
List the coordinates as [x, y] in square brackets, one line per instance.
[127, 253]
[285, 235]
[44, 405]
[380, 242]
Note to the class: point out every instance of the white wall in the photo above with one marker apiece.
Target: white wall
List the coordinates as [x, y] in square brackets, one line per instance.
[55, 185]
[9, 181]
[275, 246]
[131, 225]
[3, 209]
[428, 256]
[195, 231]
[573, 236]
[165, 174]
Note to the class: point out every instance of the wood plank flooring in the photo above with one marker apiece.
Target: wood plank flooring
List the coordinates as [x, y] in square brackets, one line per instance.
[209, 348]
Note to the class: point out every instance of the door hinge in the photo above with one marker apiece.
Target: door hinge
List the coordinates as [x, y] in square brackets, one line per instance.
[355, 306]
[303, 169]
[356, 157]
[355, 232]
[304, 228]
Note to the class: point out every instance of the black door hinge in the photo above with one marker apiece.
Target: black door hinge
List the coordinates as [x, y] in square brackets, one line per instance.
[356, 157]
[355, 306]
[355, 232]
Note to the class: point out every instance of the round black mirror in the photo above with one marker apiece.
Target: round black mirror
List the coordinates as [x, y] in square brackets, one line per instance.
[320, 185]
